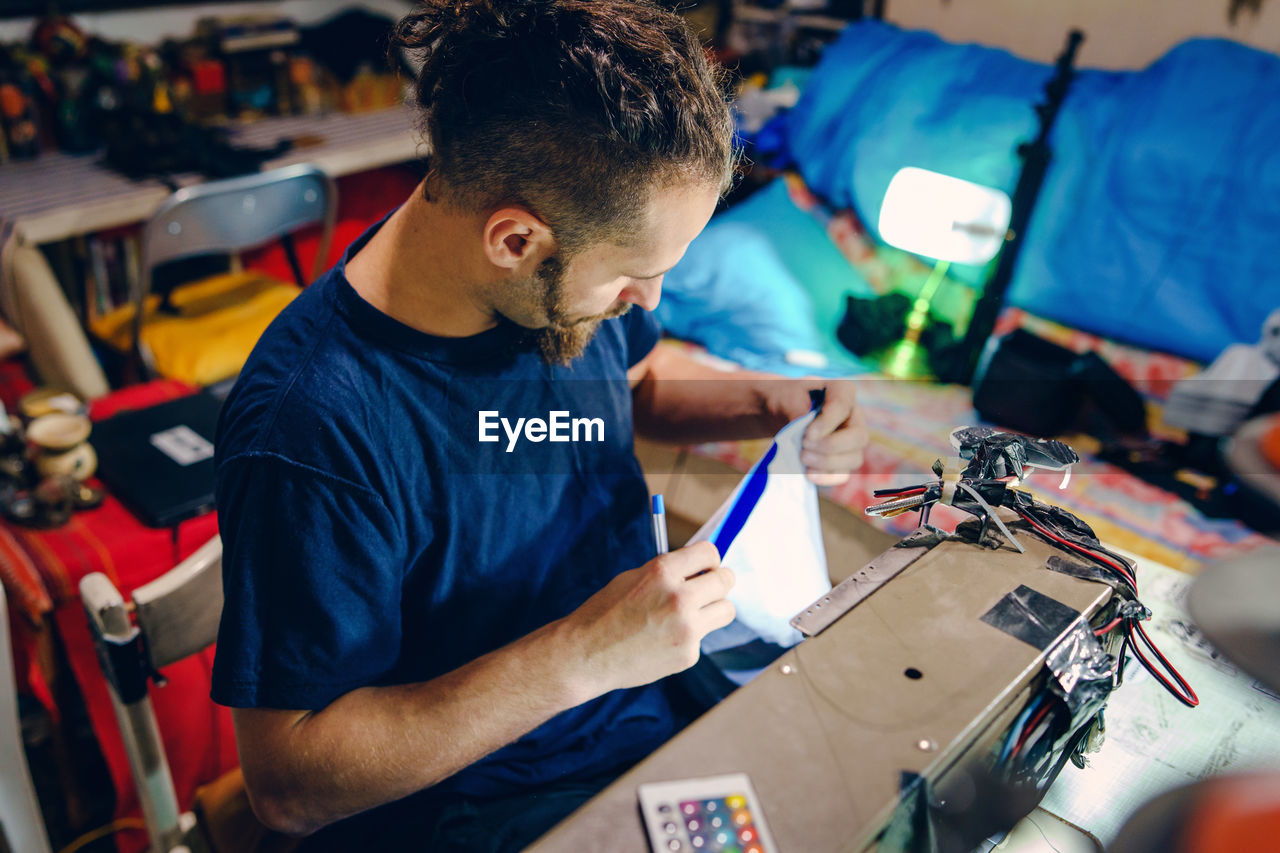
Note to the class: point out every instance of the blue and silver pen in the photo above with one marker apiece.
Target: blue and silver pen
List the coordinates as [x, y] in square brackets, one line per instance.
[660, 525]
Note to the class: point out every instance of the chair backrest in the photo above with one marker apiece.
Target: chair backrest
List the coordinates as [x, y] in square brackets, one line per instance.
[176, 615]
[179, 611]
[21, 823]
[234, 214]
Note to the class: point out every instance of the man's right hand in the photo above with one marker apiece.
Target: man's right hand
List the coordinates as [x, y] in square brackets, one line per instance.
[307, 768]
[649, 622]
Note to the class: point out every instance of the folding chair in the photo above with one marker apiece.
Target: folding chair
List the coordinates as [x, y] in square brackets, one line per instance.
[21, 822]
[174, 616]
[202, 332]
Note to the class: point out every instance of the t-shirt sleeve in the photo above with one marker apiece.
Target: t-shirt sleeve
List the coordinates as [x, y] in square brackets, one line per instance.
[643, 332]
[312, 568]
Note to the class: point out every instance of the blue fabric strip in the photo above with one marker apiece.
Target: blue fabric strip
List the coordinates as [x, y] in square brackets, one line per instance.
[746, 502]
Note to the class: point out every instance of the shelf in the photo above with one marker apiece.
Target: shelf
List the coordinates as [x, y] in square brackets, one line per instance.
[57, 196]
[790, 17]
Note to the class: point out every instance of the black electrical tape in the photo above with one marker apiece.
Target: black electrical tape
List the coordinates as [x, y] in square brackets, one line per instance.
[1091, 572]
[1031, 616]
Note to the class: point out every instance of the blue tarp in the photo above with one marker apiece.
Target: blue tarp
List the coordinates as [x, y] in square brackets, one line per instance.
[1158, 217]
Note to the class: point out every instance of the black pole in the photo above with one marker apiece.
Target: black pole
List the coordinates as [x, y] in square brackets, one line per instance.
[1035, 162]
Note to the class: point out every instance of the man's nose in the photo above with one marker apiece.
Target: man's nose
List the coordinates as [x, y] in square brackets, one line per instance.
[645, 293]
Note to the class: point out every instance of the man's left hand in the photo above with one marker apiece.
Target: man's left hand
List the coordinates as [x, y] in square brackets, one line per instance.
[834, 442]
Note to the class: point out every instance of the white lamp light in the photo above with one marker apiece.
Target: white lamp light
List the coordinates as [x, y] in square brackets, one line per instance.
[945, 218]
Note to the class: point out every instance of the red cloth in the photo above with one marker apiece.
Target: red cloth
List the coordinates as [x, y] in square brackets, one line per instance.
[138, 397]
[14, 382]
[29, 598]
[26, 590]
[96, 540]
[368, 196]
[28, 677]
[272, 260]
[197, 734]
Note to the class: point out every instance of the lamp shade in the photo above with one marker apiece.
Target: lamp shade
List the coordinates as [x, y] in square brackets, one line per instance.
[944, 218]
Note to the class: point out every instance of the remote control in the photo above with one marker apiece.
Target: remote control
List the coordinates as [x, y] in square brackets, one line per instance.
[717, 814]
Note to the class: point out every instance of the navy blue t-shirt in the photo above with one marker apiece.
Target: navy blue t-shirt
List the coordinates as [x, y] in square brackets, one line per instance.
[372, 538]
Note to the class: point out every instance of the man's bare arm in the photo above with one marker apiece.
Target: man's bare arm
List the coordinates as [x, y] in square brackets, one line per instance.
[305, 769]
[679, 399]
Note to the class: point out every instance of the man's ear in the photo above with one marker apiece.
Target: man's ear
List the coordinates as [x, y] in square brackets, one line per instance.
[515, 238]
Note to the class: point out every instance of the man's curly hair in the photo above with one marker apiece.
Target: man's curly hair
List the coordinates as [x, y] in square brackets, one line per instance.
[576, 109]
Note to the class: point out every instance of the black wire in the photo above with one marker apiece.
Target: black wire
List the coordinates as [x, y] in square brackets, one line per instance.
[1132, 566]
[1086, 550]
[1093, 547]
[1188, 697]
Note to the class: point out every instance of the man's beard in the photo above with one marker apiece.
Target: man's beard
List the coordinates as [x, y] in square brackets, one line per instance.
[564, 339]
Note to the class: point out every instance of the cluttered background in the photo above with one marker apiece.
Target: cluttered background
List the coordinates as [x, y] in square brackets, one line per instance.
[1130, 302]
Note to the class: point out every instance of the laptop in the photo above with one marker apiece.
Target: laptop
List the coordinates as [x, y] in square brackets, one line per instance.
[158, 461]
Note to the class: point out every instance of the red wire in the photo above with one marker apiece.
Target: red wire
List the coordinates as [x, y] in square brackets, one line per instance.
[1189, 698]
[1107, 628]
[1124, 573]
[913, 490]
[1026, 732]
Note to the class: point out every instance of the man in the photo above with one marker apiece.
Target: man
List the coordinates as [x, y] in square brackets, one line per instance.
[444, 623]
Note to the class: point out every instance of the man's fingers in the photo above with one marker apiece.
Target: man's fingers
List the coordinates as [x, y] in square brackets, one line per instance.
[716, 615]
[828, 461]
[839, 404]
[831, 463]
[853, 437]
[691, 560]
[709, 586]
[828, 420]
[837, 454]
[823, 478]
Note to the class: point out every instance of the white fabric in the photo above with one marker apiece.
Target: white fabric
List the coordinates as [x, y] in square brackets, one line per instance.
[778, 555]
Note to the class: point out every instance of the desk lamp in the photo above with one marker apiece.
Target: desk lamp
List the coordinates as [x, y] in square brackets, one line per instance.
[944, 218]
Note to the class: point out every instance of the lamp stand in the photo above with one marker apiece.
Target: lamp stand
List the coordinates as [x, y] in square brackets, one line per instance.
[907, 359]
